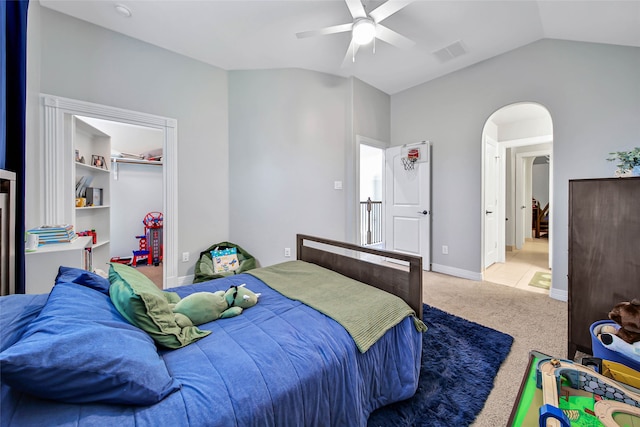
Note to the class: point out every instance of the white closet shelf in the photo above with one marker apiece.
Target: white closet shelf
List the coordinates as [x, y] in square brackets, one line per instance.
[95, 168]
[80, 208]
[136, 161]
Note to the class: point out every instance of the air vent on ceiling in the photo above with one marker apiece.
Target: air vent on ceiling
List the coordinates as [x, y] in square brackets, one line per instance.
[449, 52]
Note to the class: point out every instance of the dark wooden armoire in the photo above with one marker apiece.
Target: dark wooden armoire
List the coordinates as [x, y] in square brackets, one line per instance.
[604, 252]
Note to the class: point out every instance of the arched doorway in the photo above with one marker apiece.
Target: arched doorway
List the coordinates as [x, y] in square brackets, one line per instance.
[513, 138]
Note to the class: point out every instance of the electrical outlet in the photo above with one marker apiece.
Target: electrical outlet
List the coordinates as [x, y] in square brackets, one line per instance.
[185, 256]
[445, 249]
[287, 252]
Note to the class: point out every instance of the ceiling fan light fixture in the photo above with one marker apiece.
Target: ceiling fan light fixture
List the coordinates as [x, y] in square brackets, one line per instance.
[364, 31]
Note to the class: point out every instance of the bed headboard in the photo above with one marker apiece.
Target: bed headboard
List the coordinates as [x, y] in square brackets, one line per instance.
[397, 281]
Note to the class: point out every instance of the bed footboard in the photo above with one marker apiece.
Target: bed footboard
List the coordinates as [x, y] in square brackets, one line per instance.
[404, 284]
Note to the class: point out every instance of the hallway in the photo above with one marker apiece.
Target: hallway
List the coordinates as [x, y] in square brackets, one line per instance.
[521, 265]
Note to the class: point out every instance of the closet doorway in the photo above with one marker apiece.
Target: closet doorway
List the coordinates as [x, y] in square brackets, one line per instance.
[58, 201]
[137, 198]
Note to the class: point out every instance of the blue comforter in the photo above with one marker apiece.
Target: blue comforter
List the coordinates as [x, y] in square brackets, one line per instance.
[279, 363]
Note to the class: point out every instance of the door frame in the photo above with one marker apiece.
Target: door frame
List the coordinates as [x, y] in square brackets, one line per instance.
[515, 170]
[58, 161]
[364, 140]
[520, 158]
[500, 200]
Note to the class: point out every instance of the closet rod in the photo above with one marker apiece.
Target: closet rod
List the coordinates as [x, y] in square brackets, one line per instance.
[116, 160]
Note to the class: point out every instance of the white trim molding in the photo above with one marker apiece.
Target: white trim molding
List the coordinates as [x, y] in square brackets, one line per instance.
[559, 294]
[457, 272]
[185, 280]
[56, 115]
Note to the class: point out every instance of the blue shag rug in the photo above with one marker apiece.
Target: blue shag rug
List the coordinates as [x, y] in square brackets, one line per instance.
[460, 359]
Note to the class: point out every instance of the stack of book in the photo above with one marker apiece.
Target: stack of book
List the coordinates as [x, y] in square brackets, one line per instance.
[82, 184]
[48, 234]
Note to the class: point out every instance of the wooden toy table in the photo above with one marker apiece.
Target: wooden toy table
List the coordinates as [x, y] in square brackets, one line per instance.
[578, 408]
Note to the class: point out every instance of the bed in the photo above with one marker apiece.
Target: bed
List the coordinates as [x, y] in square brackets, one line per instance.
[279, 363]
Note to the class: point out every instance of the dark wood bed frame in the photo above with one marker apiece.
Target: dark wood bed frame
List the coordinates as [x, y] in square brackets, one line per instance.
[404, 284]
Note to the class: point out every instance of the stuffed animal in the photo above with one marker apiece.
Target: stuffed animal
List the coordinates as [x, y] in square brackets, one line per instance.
[614, 343]
[627, 315]
[624, 339]
[203, 307]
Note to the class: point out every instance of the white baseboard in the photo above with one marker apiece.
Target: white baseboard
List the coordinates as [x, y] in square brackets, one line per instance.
[457, 272]
[559, 294]
[186, 280]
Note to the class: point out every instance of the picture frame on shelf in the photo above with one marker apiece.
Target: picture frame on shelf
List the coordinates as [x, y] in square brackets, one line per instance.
[94, 196]
[98, 161]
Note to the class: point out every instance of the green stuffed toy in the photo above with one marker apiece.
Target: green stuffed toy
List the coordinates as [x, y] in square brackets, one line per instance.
[203, 307]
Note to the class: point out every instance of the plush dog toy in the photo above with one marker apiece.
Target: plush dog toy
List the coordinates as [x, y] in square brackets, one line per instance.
[203, 307]
[626, 338]
[627, 315]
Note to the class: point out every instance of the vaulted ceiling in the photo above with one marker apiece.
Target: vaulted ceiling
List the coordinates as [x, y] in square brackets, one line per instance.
[261, 34]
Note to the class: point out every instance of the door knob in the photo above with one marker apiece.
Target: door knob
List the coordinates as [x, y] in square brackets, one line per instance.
[425, 212]
[523, 207]
[488, 212]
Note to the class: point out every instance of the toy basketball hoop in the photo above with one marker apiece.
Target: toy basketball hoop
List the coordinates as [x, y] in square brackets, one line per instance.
[412, 154]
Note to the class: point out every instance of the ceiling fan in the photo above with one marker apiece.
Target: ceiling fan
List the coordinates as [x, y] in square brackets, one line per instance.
[366, 27]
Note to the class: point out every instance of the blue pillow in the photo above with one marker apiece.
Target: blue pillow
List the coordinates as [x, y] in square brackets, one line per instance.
[80, 349]
[16, 313]
[84, 278]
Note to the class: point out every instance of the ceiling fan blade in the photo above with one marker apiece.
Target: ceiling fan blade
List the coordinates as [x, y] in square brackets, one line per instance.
[387, 9]
[351, 54]
[393, 38]
[324, 31]
[356, 9]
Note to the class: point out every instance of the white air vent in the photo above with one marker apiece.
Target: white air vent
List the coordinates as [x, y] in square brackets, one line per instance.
[449, 52]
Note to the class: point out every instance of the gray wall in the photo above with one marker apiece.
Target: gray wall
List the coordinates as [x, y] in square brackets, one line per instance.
[371, 119]
[82, 61]
[288, 132]
[292, 135]
[371, 112]
[592, 92]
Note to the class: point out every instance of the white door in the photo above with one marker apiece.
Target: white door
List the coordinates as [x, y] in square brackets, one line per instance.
[491, 180]
[408, 205]
[524, 163]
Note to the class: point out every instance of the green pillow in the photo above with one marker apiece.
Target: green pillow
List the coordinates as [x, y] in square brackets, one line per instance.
[140, 301]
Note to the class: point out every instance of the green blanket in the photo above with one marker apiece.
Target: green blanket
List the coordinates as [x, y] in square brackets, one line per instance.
[364, 311]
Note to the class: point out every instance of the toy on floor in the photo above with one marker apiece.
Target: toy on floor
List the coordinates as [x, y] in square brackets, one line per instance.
[576, 395]
[204, 307]
[150, 243]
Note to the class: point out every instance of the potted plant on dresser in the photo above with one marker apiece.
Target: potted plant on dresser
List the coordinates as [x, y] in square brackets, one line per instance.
[628, 162]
